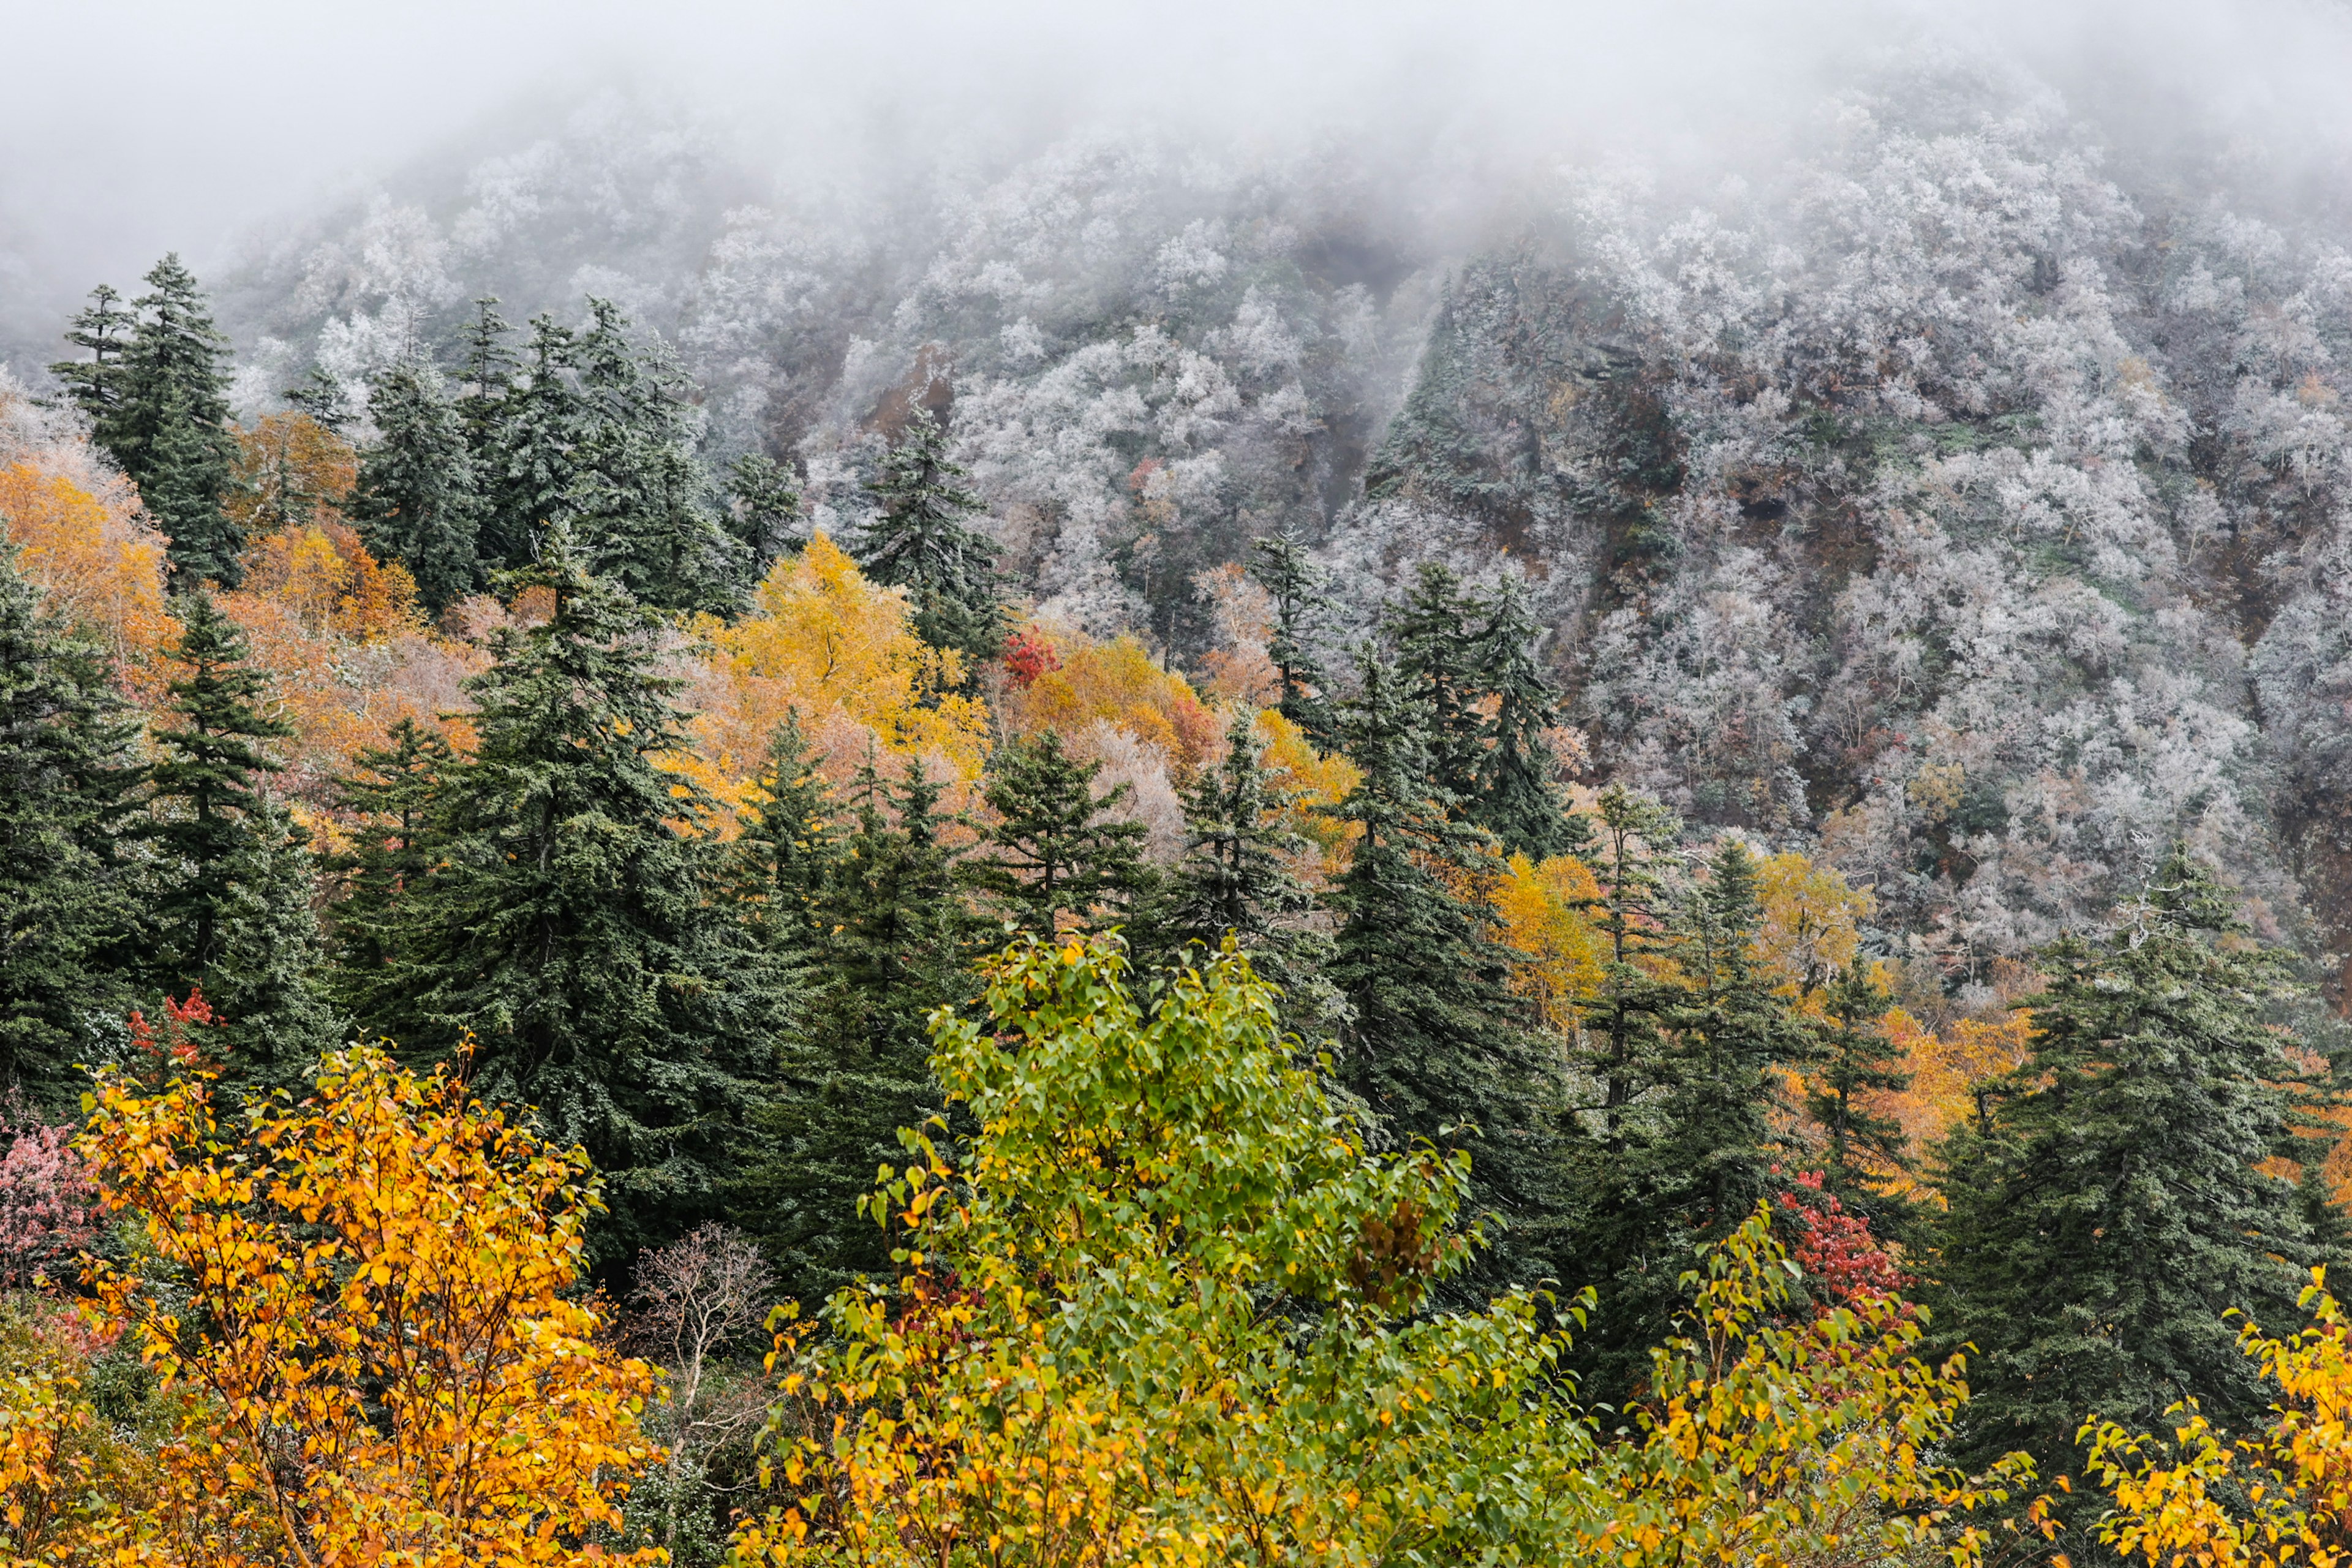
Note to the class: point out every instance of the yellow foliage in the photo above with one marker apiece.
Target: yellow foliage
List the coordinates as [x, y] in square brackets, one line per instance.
[1812, 916]
[100, 564]
[290, 470]
[1117, 682]
[841, 651]
[371, 1301]
[326, 580]
[1540, 914]
[1316, 783]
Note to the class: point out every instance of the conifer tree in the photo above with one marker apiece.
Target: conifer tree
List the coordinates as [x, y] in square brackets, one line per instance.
[1281, 567]
[764, 509]
[1857, 1060]
[230, 911]
[889, 944]
[391, 791]
[416, 501]
[1515, 794]
[1436, 656]
[65, 909]
[787, 847]
[2112, 1208]
[521, 426]
[1623, 1056]
[1435, 1046]
[1052, 852]
[161, 409]
[921, 541]
[94, 385]
[575, 923]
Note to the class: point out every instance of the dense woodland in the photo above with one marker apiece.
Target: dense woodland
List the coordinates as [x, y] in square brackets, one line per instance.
[1665, 892]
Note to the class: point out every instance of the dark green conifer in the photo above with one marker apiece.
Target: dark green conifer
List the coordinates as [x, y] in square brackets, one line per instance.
[787, 845]
[2111, 1209]
[521, 426]
[416, 501]
[1436, 656]
[94, 385]
[65, 910]
[921, 541]
[1858, 1061]
[320, 398]
[1281, 566]
[1053, 852]
[1515, 794]
[1623, 1061]
[230, 911]
[392, 794]
[764, 509]
[576, 927]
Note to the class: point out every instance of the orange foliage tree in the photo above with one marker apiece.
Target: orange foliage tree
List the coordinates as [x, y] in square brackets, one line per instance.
[290, 470]
[1541, 915]
[97, 559]
[369, 1304]
[1118, 683]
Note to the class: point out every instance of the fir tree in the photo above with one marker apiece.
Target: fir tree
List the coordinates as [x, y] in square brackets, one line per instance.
[1515, 794]
[787, 845]
[416, 501]
[575, 923]
[94, 385]
[392, 793]
[168, 425]
[2113, 1207]
[1857, 1060]
[1051, 851]
[1435, 1049]
[920, 542]
[64, 907]
[1623, 1055]
[764, 509]
[521, 428]
[231, 912]
[321, 399]
[889, 936]
[1281, 567]
[1436, 657]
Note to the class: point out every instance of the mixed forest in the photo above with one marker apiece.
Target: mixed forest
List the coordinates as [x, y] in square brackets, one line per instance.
[1130, 869]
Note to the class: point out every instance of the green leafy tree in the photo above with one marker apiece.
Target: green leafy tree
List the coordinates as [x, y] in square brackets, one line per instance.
[1053, 852]
[1435, 1046]
[1281, 566]
[575, 925]
[65, 908]
[230, 909]
[2110, 1210]
[920, 541]
[416, 501]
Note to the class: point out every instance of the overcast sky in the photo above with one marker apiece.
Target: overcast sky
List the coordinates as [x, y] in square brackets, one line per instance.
[129, 127]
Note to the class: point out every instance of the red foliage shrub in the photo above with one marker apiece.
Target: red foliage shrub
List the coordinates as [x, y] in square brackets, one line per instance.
[1835, 1248]
[1028, 655]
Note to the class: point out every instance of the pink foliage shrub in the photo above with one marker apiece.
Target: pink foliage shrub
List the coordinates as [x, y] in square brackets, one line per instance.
[48, 1210]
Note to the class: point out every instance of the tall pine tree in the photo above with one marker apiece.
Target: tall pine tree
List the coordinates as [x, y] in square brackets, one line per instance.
[1514, 793]
[920, 541]
[416, 501]
[575, 923]
[2112, 1208]
[65, 910]
[1281, 567]
[1054, 853]
[391, 795]
[521, 423]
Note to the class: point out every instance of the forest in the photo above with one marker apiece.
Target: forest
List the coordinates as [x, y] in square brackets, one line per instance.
[1136, 868]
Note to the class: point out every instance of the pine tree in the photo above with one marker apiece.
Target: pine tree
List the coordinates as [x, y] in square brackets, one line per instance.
[764, 509]
[521, 428]
[1436, 656]
[889, 940]
[230, 911]
[576, 924]
[920, 542]
[638, 498]
[2112, 1210]
[1515, 794]
[321, 399]
[1857, 1060]
[1051, 852]
[1623, 1060]
[169, 424]
[787, 845]
[1435, 1046]
[416, 501]
[1281, 567]
[65, 909]
[1236, 878]
[94, 385]
[392, 794]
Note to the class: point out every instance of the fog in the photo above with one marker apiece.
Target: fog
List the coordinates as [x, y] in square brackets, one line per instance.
[131, 127]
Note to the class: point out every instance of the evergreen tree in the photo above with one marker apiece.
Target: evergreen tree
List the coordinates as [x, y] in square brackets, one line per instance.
[320, 398]
[1236, 878]
[575, 922]
[787, 847]
[638, 497]
[94, 385]
[416, 501]
[920, 542]
[2111, 1208]
[1515, 794]
[1436, 658]
[521, 427]
[1623, 1060]
[166, 420]
[1857, 1060]
[1435, 1047]
[392, 793]
[764, 509]
[64, 907]
[230, 911]
[1281, 567]
[1051, 853]
[889, 939]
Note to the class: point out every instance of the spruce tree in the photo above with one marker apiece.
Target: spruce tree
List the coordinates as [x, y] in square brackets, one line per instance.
[1436, 657]
[921, 541]
[416, 501]
[1437, 1048]
[787, 845]
[1515, 794]
[764, 509]
[94, 385]
[888, 941]
[2112, 1208]
[1051, 853]
[65, 910]
[1621, 1061]
[1857, 1061]
[1281, 566]
[392, 794]
[521, 426]
[575, 924]
[168, 425]
[230, 908]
